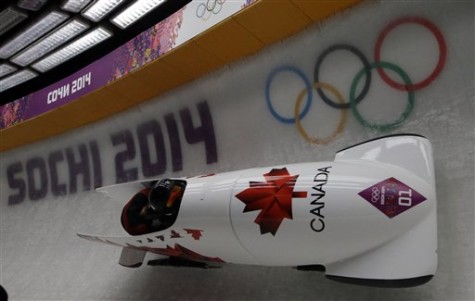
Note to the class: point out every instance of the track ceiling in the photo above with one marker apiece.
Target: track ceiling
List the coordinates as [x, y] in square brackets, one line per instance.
[30, 16]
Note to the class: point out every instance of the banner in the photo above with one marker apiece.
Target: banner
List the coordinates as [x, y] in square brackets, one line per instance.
[186, 23]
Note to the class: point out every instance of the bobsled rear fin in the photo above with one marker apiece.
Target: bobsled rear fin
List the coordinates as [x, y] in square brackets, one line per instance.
[131, 258]
[408, 151]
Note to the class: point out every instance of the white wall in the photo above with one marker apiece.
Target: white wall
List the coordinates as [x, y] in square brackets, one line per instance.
[46, 188]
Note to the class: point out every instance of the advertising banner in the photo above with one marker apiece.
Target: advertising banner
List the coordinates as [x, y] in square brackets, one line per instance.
[186, 23]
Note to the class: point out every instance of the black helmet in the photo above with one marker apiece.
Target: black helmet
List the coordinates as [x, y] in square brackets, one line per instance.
[158, 195]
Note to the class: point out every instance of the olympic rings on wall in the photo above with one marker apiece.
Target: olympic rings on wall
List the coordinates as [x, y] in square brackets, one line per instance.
[442, 52]
[363, 59]
[353, 100]
[341, 123]
[204, 11]
[308, 87]
[404, 115]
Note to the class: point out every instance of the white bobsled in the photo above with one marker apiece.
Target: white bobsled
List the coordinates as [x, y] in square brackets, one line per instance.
[368, 217]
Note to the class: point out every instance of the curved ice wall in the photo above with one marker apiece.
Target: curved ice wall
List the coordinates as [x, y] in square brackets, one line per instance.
[264, 110]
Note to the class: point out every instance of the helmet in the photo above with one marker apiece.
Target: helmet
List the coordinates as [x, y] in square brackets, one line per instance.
[158, 194]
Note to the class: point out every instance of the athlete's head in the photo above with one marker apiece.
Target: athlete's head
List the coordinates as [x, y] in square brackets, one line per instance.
[159, 194]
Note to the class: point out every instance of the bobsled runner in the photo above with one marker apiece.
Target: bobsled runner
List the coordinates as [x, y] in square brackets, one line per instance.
[368, 217]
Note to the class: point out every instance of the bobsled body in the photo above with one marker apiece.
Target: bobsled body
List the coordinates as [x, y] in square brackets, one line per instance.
[369, 215]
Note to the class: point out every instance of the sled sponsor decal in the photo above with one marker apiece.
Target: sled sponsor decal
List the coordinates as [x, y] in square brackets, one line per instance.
[178, 251]
[317, 224]
[196, 234]
[273, 197]
[392, 197]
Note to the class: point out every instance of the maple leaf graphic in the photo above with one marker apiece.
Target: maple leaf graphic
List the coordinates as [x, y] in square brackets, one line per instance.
[177, 251]
[195, 233]
[273, 198]
[175, 234]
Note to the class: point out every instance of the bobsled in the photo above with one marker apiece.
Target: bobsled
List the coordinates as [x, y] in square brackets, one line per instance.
[368, 217]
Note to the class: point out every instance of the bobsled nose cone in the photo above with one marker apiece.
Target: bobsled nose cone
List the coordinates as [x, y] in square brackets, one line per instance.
[409, 259]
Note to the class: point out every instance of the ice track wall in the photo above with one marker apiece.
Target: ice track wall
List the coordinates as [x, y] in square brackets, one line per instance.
[157, 61]
[284, 105]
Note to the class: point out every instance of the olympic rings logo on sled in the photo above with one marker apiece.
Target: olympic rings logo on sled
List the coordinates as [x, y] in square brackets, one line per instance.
[215, 8]
[378, 64]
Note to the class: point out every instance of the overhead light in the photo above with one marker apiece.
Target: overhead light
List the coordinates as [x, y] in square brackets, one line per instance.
[6, 69]
[134, 12]
[16, 79]
[32, 33]
[75, 6]
[10, 17]
[100, 8]
[69, 51]
[49, 43]
[31, 4]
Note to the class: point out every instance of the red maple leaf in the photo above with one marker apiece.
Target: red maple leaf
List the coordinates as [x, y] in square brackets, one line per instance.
[175, 234]
[195, 233]
[273, 198]
[178, 251]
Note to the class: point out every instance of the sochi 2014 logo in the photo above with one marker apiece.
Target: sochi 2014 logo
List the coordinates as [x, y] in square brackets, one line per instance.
[392, 197]
[273, 197]
[211, 7]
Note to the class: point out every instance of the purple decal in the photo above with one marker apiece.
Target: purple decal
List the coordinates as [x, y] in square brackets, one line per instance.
[175, 144]
[149, 143]
[147, 46]
[14, 112]
[392, 197]
[54, 160]
[70, 88]
[154, 157]
[37, 178]
[123, 174]
[144, 48]
[142, 151]
[40, 175]
[247, 3]
[203, 133]
[96, 163]
[78, 167]
[16, 183]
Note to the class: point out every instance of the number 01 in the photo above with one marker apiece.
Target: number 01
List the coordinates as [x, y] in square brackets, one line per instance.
[405, 198]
